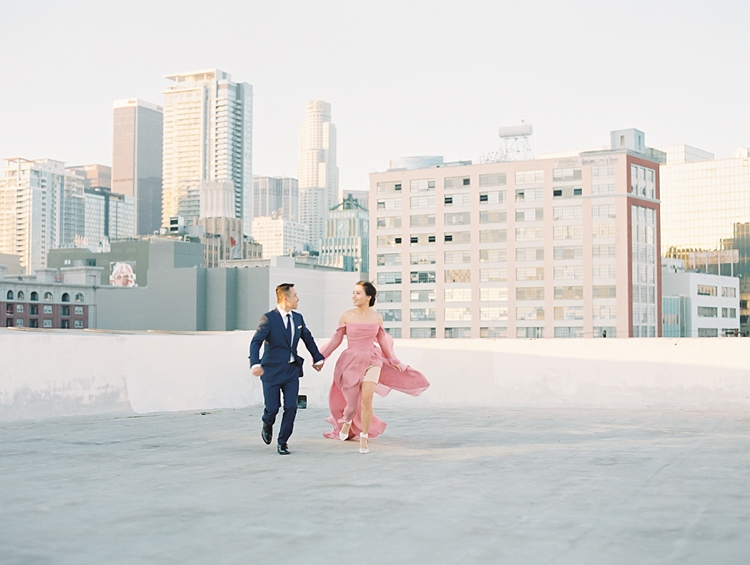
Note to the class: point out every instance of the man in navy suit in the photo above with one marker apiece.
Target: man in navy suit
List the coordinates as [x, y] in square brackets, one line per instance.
[281, 368]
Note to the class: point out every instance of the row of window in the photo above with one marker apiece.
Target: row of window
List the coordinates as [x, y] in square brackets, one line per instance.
[46, 309]
[34, 296]
[46, 323]
[709, 290]
[499, 332]
[713, 312]
[501, 236]
[498, 313]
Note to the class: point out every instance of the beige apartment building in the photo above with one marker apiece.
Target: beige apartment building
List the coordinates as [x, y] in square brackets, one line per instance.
[565, 246]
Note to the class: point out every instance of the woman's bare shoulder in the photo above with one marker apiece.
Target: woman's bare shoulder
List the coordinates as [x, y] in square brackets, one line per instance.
[346, 317]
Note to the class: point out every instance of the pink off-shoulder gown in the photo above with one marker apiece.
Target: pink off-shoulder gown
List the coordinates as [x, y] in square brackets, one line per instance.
[368, 344]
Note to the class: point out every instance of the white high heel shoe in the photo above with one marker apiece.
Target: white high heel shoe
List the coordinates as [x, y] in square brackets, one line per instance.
[364, 449]
[344, 435]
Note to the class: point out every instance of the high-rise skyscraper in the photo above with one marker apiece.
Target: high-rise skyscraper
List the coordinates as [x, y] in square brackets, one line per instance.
[318, 172]
[137, 160]
[276, 196]
[207, 140]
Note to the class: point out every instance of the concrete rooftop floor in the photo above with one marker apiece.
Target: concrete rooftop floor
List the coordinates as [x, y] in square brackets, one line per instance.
[439, 487]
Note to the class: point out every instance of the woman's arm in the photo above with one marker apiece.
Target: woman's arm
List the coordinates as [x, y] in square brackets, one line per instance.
[336, 339]
[386, 345]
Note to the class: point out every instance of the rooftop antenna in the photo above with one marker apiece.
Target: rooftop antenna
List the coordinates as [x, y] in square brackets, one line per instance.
[515, 145]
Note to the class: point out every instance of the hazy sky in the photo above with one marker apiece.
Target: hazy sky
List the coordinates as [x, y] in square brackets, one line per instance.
[404, 77]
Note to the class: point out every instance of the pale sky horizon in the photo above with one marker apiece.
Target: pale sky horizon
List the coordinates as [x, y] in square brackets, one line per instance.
[403, 78]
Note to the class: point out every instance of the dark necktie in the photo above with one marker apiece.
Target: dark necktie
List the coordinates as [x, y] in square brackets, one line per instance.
[291, 329]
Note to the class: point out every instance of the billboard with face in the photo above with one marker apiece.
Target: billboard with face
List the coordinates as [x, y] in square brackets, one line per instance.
[122, 273]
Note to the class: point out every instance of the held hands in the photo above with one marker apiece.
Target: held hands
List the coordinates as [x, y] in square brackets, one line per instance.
[319, 366]
[258, 371]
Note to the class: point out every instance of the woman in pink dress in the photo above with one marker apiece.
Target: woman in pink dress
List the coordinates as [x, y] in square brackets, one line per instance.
[368, 365]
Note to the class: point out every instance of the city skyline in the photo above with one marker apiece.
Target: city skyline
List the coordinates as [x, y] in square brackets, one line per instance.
[389, 84]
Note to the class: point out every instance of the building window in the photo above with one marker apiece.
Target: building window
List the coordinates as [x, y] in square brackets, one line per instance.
[493, 293]
[605, 331]
[728, 292]
[729, 312]
[9, 323]
[569, 293]
[33, 310]
[492, 217]
[422, 258]
[566, 174]
[707, 312]
[568, 312]
[33, 323]
[389, 278]
[457, 295]
[389, 296]
[65, 324]
[47, 309]
[527, 177]
[48, 297]
[9, 309]
[457, 333]
[708, 332]
[575, 331]
[569, 252]
[493, 313]
[19, 322]
[457, 275]
[418, 202]
[422, 185]
[34, 297]
[457, 219]
[78, 310]
[422, 314]
[9, 296]
[605, 291]
[530, 293]
[457, 237]
[568, 272]
[492, 179]
[456, 257]
[422, 333]
[19, 307]
[493, 275]
[422, 221]
[417, 277]
[79, 297]
[393, 315]
[458, 314]
[493, 332]
[47, 323]
[492, 255]
[66, 297]
[422, 295]
[65, 310]
[389, 259]
[530, 313]
[530, 274]
[706, 290]
[530, 333]
[567, 232]
[457, 182]
[20, 295]
[395, 333]
[495, 197]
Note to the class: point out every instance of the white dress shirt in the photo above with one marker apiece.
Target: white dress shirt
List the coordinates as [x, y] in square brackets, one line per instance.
[284, 314]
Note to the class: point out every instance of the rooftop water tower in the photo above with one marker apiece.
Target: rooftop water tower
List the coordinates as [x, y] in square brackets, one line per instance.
[515, 145]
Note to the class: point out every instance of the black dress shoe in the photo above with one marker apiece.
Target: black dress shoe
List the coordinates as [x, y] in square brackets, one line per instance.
[266, 433]
[283, 449]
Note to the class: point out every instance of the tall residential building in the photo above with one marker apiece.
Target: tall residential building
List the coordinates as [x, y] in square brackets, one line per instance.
[556, 247]
[346, 244]
[207, 140]
[137, 160]
[276, 195]
[41, 207]
[318, 173]
[279, 236]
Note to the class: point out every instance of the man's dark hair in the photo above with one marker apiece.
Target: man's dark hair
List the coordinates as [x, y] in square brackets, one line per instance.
[370, 291]
[283, 290]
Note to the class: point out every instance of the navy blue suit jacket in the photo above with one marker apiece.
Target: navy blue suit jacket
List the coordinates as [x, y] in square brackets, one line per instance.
[278, 349]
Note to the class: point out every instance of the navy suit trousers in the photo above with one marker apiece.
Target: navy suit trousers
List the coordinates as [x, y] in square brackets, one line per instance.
[286, 382]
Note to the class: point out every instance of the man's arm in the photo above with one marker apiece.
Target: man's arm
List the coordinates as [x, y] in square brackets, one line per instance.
[307, 337]
[261, 333]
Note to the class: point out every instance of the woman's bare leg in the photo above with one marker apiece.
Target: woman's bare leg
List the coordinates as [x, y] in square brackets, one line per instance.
[368, 390]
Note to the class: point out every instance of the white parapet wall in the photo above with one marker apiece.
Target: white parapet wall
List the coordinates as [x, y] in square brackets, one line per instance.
[67, 372]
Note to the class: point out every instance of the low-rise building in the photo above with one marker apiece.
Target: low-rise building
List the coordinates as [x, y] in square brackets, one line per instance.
[698, 304]
[50, 298]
